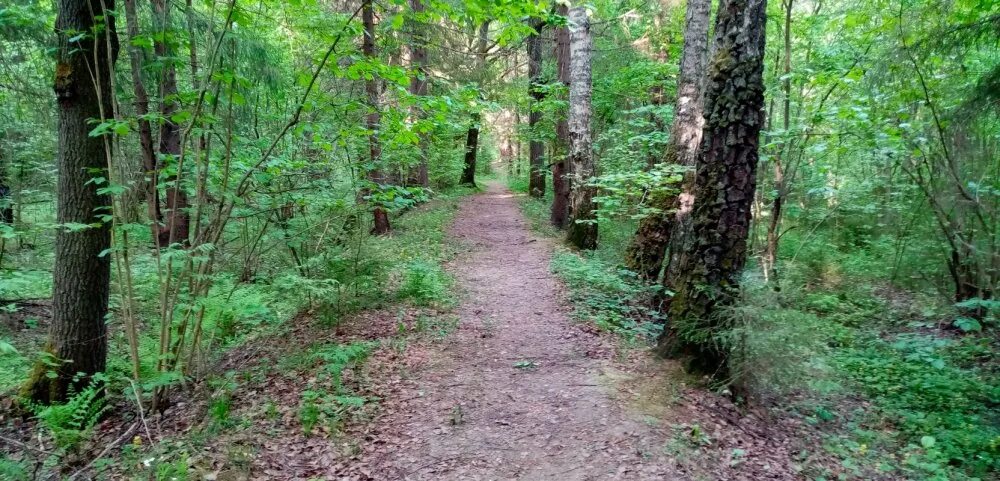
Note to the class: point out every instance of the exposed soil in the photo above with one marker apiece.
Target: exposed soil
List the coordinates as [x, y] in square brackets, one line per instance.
[521, 391]
[518, 392]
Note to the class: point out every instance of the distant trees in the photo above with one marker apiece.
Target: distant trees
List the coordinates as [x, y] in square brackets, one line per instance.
[770, 256]
[375, 172]
[953, 170]
[418, 84]
[78, 340]
[259, 140]
[724, 187]
[144, 126]
[6, 202]
[178, 219]
[582, 231]
[482, 50]
[471, 151]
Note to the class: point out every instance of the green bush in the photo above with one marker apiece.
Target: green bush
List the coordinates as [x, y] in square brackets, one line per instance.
[773, 348]
[328, 400]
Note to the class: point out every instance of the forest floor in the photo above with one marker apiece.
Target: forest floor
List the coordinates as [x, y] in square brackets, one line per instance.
[501, 384]
[520, 391]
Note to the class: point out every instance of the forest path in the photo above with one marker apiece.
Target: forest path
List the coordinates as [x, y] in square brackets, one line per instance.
[516, 392]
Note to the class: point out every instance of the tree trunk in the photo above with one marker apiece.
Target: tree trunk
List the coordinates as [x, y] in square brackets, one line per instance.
[482, 44]
[724, 188]
[773, 236]
[536, 161]
[6, 199]
[145, 129]
[418, 85]
[560, 168]
[672, 226]
[472, 139]
[583, 226]
[78, 339]
[6, 204]
[177, 217]
[471, 149]
[372, 120]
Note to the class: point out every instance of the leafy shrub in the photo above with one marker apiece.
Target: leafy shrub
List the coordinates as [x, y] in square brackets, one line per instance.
[246, 307]
[319, 407]
[773, 348]
[221, 402]
[358, 273]
[394, 197]
[627, 194]
[173, 471]
[12, 364]
[25, 284]
[977, 313]
[330, 403]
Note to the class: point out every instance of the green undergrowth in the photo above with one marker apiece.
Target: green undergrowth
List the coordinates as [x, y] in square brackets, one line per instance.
[895, 390]
[898, 393]
[611, 298]
[402, 270]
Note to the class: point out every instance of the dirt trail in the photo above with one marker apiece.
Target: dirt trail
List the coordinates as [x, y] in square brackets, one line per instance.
[514, 393]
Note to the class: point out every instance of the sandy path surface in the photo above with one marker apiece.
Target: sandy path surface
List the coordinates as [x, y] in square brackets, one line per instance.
[514, 393]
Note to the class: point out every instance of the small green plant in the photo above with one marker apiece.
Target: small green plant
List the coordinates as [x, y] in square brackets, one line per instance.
[271, 411]
[424, 284]
[698, 437]
[13, 470]
[526, 364]
[220, 405]
[319, 407]
[72, 422]
[175, 471]
[309, 410]
[328, 400]
[337, 357]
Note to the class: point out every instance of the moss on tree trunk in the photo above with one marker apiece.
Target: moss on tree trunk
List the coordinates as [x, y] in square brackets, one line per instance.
[724, 188]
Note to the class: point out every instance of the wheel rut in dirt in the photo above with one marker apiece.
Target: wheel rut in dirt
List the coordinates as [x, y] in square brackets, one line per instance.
[514, 393]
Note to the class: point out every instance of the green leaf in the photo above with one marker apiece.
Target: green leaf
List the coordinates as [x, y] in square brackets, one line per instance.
[968, 324]
[6, 349]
